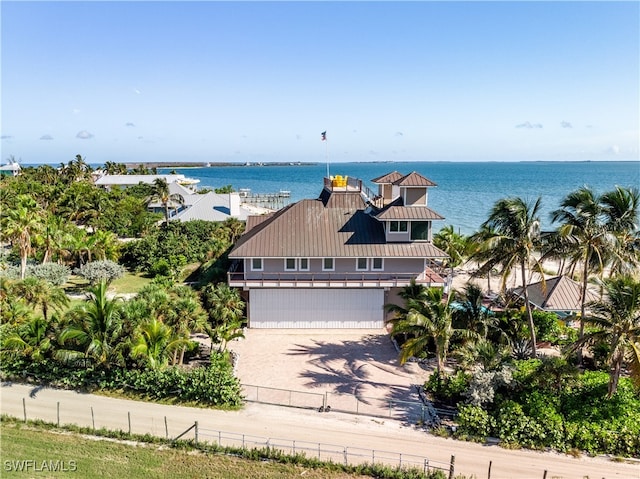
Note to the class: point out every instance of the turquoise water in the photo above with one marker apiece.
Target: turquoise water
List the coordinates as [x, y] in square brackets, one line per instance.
[465, 192]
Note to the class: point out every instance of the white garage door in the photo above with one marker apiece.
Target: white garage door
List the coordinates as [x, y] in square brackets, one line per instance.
[316, 308]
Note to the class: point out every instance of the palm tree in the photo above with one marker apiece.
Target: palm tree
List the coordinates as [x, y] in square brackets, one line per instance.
[39, 292]
[583, 226]
[162, 194]
[32, 339]
[620, 208]
[226, 313]
[452, 243]
[19, 225]
[96, 328]
[154, 342]
[185, 314]
[514, 227]
[426, 318]
[617, 319]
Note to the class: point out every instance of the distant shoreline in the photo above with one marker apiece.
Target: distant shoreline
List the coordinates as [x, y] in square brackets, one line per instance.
[191, 164]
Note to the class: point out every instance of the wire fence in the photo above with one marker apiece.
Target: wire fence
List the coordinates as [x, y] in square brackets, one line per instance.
[125, 422]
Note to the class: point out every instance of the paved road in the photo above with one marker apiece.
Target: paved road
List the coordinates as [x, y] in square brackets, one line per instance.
[303, 425]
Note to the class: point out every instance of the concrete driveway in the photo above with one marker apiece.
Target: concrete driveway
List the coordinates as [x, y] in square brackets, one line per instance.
[341, 363]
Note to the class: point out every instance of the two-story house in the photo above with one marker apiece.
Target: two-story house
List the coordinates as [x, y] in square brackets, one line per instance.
[333, 262]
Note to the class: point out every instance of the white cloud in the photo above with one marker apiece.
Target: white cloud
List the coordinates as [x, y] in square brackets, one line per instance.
[129, 124]
[6, 137]
[46, 137]
[566, 124]
[84, 135]
[399, 133]
[529, 125]
[615, 149]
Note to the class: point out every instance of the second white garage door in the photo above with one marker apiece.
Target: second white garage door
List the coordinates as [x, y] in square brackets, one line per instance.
[316, 308]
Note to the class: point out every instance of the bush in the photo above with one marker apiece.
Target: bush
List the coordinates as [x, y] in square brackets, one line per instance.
[475, 422]
[448, 389]
[98, 271]
[54, 273]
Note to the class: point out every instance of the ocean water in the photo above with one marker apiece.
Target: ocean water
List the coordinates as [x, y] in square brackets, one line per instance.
[465, 193]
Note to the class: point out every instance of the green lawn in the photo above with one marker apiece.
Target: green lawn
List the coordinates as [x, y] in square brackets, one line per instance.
[129, 283]
[88, 458]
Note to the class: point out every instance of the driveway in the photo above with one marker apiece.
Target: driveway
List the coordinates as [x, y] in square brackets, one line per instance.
[340, 363]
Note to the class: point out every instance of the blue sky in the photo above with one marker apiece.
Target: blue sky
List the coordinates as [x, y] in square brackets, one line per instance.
[245, 81]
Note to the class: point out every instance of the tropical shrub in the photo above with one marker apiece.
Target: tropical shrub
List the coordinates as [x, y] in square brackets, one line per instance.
[54, 273]
[98, 271]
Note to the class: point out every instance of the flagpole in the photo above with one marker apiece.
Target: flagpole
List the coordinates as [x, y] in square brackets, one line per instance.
[323, 137]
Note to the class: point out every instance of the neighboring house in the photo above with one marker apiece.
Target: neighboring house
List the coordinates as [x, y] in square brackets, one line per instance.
[12, 168]
[334, 262]
[209, 206]
[560, 295]
[109, 181]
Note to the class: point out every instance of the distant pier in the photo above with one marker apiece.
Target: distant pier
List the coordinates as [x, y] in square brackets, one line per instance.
[272, 201]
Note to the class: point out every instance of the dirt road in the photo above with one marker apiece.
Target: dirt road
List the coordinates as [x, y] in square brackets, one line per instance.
[303, 425]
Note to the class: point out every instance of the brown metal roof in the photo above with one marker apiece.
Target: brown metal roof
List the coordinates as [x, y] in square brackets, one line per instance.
[255, 220]
[408, 213]
[310, 229]
[558, 294]
[414, 179]
[388, 178]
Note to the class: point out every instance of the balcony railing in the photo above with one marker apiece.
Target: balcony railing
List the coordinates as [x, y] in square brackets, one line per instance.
[332, 279]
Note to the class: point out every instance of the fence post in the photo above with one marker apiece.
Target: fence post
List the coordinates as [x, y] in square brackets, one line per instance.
[489, 473]
[196, 429]
[58, 412]
[544, 476]
[24, 408]
[452, 467]
[400, 464]
[346, 459]
[426, 466]
[166, 428]
[129, 420]
[93, 419]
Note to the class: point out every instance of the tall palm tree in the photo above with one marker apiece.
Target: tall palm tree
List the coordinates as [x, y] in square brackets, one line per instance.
[583, 226]
[425, 318]
[20, 225]
[162, 194]
[96, 328]
[39, 292]
[184, 314]
[514, 227]
[617, 319]
[620, 208]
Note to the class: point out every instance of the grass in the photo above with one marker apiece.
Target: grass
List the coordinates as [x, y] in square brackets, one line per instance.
[93, 457]
[129, 283]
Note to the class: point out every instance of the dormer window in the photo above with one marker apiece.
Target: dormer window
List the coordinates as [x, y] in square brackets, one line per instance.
[399, 226]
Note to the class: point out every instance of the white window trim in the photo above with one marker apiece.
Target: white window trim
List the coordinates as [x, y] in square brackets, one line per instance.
[366, 268]
[300, 264]
[295, 264]
[333, 263]
[373, 268]
[399, 232]
[261, 264]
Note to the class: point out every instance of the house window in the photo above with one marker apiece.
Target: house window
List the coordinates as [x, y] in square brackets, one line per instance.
[290, 264]
[256, 264]
[377, 264]
[398, 226]
[420, 230]
[361, 264]
[304, 264]
[327, 264]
